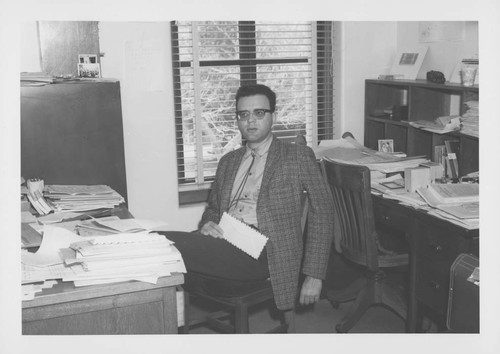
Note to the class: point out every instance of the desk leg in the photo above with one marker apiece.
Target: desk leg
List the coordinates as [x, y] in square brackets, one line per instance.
[170, 310]
[411, 320]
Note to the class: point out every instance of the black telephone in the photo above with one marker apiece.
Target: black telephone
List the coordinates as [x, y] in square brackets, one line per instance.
[436, 77]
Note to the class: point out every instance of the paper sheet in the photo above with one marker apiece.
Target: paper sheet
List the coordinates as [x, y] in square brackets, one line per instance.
[54, 238]
[242, 236]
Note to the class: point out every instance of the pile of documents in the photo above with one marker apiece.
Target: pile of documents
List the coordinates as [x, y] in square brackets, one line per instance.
[470, 119]
[86, 261]
[82, 197]
[458, 203]
[119, 257]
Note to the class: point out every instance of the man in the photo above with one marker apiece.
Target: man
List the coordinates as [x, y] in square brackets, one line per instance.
[261, 184]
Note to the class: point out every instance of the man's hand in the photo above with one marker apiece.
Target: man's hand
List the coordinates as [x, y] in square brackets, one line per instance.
[311, 289]
[212, 229]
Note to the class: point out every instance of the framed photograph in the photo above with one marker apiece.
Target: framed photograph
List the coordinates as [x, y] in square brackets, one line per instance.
[88, 66]
[386, 145]
[397, 184]
[408, 62]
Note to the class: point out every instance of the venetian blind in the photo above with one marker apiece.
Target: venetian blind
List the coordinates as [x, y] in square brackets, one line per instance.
[211, 59]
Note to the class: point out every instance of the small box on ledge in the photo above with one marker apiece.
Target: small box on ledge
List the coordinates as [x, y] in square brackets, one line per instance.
[417, 177]
[436, 170]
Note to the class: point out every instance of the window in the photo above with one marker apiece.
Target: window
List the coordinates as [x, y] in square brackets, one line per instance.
[211, 59]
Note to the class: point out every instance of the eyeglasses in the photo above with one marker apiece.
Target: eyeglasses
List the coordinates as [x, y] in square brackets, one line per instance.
[257, 113]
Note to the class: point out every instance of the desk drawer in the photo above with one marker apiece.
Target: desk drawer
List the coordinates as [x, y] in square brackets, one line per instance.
[437, 245]
[391, 217]
[432, 286]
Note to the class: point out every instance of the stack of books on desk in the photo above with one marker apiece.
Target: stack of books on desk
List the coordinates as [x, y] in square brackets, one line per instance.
[82, 197]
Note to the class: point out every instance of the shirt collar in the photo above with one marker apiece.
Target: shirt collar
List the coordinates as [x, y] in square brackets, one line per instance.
[261, 149]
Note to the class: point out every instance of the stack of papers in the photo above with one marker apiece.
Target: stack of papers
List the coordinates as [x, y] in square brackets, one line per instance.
[458, 203]
[108, 259]
[457, 193]
[101, 259]
[36, 79]
[470, 119]
[82, 197]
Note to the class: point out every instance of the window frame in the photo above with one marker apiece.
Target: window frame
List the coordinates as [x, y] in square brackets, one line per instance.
[248, 62]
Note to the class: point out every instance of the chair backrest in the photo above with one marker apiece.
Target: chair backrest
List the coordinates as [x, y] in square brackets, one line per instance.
[350, 187]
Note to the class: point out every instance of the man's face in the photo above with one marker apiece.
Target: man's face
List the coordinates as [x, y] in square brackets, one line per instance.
[253, 129]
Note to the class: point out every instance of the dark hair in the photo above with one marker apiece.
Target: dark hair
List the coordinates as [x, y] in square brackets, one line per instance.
[257, 89]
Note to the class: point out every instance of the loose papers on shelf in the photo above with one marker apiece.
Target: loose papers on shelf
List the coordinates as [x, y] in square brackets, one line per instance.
[242, 236]
[440, 125]
[82, 197]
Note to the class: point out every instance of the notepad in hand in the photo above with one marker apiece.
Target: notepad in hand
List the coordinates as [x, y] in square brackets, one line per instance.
[242, 236]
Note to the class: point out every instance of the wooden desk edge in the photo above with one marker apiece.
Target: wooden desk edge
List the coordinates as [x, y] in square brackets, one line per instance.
[72, 293]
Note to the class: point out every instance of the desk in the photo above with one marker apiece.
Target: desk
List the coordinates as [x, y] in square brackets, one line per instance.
[434, 245]
[131, 307]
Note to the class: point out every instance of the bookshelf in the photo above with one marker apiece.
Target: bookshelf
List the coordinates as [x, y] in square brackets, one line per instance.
[390, 105]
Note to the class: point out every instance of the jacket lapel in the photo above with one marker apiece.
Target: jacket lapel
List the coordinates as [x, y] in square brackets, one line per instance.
[230, 176]
[271, 163]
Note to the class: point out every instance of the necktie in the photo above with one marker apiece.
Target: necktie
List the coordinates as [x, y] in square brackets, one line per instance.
[237, 195]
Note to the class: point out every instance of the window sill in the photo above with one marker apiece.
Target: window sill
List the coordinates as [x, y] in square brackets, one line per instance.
[188, 197]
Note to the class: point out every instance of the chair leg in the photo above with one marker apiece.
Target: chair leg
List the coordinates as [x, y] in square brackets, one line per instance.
[364, 300]
[241, 324]
[346, 294]
[289, 317]
[392, 298]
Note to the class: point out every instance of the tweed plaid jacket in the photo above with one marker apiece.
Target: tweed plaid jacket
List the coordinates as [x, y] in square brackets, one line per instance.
[289, 170]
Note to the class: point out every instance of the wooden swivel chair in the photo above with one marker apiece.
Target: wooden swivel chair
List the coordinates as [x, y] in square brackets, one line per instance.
[350, 186]
[237, 307]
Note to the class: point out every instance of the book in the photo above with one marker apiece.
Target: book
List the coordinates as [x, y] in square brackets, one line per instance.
[242, 236]
[454, 193]
[439, 156]
[452, 151]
